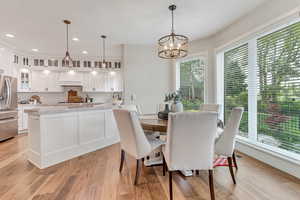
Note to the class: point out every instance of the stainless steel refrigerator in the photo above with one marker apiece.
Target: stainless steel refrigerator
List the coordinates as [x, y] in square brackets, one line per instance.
[8, 107]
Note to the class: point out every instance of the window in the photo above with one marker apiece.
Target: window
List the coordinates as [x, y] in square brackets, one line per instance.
[263, 76]
[191, 82]
[236, 83]
[278, 106]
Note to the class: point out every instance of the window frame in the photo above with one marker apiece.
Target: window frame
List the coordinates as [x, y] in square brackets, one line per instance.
[252, 139]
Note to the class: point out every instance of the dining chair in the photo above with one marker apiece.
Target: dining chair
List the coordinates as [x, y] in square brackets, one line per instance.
[132, 107]
[210, 107]
[226, 142]
[190, 144]
[133, 139]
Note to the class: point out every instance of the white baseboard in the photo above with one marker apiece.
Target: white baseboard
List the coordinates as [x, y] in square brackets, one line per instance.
[279, 162]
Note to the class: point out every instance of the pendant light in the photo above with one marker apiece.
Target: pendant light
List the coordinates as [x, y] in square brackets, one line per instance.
[67, 59]
[172, 46]
[104, 64]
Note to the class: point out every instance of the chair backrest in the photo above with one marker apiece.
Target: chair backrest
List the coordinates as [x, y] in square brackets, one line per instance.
[226, 142]
[210, 107]
[132, 107]
[133, 139]
[190, 140]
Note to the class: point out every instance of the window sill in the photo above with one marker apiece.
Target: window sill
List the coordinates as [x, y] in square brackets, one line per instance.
[274, 151]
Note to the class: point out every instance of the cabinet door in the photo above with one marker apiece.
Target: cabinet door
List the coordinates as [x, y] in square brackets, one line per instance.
[91, 126]
[86, 82]
[38, 81]
[51, 82]
[114, 82]
[99, 82]
[20, 118]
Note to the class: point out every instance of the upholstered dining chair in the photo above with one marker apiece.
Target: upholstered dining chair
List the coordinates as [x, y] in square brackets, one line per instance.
[132, 107]
[210, 107]
[190, 144]
[133, 139]
[225, 144]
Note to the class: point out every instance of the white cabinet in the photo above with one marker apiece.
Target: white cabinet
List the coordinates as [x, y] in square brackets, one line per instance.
[52, 82]
[57, 137]
[39, 81]
[94, 82]
[114, 82]
[23, 117]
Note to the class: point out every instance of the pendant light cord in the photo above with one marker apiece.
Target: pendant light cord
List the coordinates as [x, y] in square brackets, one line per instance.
[172, 30]
[103, 49]
[68, 37]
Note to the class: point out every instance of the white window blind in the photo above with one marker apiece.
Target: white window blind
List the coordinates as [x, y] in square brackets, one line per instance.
[278, 78]
[236, 83]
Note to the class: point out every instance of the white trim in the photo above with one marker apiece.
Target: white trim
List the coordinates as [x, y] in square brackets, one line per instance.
[252, 89]
[284, 161]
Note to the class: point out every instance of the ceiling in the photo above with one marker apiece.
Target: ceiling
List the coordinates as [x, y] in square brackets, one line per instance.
[38, 23]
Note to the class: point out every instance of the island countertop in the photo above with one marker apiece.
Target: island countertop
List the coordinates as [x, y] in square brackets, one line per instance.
[54, 109]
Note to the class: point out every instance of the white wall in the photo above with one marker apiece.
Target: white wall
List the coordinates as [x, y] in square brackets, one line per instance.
[146, 76]
[6, 60]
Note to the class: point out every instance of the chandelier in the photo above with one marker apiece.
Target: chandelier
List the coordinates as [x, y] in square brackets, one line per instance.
[172, 46]
[67, 59]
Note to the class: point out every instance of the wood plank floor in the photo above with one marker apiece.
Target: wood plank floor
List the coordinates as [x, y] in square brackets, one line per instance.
[95, 176]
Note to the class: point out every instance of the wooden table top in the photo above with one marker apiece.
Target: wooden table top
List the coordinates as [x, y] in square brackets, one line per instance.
[151, 122]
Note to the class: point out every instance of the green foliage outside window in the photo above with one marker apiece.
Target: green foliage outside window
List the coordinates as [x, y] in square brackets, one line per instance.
[192, 83]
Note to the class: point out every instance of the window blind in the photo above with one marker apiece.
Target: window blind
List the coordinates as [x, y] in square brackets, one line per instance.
[235, 84]
[278, 78]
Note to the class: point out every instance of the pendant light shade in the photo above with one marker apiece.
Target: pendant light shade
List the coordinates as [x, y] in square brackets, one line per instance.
[104, 64]
[173, 46]
[67, 59]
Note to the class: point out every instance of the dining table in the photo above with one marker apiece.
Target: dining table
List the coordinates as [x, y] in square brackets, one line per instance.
[153, 125]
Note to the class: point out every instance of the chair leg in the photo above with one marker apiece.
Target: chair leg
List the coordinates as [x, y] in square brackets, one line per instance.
[170, 185]
[211, 184]
[122, 160]
[234, 160]
[197, 172]
[229, 159]
[164, 166]
[137, 172]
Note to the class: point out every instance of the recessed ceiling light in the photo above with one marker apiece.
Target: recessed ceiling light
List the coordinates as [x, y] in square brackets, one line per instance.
[84, 52]
[75, 39]
[35, 50]
[9, 35]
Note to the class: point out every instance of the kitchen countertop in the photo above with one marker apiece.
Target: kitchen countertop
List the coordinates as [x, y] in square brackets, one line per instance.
[64, 108]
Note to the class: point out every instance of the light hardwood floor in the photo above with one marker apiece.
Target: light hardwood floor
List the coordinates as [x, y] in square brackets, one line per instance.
[95, 176]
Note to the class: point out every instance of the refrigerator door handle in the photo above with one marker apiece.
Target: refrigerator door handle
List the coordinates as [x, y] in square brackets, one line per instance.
[8, 90]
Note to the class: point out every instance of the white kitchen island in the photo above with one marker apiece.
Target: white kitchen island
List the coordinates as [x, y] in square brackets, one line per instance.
[59, 133]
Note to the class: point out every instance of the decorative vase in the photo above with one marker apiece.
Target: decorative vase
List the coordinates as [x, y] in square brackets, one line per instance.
[164, 114]
[177, 106]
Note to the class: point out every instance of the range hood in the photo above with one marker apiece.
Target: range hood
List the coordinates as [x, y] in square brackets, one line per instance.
[70, 79]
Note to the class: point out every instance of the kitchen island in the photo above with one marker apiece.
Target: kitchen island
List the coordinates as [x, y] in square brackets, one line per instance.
[59, 133]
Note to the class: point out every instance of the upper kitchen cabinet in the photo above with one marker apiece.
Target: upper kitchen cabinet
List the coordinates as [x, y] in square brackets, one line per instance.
[94, 82]
[38, 81]
[114, 81]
